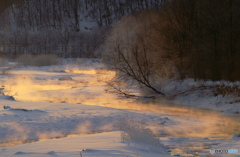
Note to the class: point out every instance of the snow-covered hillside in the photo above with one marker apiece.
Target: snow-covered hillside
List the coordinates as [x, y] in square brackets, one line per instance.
[68, 28]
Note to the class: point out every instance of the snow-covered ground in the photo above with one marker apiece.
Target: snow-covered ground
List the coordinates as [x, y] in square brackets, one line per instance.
[216, 95]
[64, 111]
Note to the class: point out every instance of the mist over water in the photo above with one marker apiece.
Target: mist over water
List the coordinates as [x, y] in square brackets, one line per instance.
[87, 90]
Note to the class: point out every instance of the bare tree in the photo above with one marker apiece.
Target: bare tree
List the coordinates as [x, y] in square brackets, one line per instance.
[128, 53]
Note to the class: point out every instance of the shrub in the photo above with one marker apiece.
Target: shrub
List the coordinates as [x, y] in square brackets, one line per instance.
[4, 68]
[25, 59]
[46, 60]
[40, 60]
[3, 61]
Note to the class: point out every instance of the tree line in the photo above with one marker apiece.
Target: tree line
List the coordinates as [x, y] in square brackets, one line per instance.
[204, 37]
[182, 39]
[59, 26]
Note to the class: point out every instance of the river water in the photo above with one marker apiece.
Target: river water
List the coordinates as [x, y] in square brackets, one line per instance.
[88, 87]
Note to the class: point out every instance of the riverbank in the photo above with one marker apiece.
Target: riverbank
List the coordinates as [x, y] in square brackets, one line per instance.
[221, 96]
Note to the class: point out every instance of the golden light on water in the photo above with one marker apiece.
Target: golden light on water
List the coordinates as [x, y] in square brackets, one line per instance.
[203, 123]
[79, 71]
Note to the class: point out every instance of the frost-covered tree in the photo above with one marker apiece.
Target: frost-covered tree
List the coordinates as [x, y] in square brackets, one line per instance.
[129, 49]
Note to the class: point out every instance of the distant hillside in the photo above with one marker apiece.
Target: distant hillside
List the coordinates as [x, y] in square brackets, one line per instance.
[55, 13]
[69, 28]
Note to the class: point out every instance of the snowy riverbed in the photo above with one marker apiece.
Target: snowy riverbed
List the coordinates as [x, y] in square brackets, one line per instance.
[64, 111]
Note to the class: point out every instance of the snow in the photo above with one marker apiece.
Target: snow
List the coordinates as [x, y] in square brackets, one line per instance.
[95, 145]
[58, 122]
[45, 113]
[229, 104]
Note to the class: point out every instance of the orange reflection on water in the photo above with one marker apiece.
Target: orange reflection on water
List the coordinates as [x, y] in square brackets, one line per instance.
[188, 121]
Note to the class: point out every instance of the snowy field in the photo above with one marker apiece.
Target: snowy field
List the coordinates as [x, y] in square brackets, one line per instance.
[64, 111]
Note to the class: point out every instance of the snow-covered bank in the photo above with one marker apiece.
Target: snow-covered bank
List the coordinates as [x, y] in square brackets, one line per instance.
[96, 145]
[62, 129]
[216, 95]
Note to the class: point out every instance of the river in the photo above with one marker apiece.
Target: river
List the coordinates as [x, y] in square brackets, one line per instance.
[88, 87]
